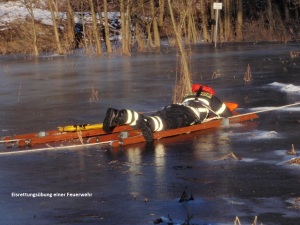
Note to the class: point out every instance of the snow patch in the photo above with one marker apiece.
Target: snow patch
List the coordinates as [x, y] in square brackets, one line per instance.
[289, 88]
[248, 160]
[256, 135]
[12, 11]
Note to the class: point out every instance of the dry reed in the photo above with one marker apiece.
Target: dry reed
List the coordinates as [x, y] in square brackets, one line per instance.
[231, 155]
[292, 151]
[294, 161]
[294, 54]
[94, 95]
[248, 74]
[238, 222]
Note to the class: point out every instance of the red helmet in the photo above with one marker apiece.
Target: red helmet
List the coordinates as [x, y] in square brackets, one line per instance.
[205, 88]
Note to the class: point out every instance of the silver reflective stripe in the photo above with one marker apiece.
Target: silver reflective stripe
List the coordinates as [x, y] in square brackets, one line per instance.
[203, 110]
[195, 111]
[132, 117]
[188, 99]
[221, 110]
[206, 102]
[158, 124]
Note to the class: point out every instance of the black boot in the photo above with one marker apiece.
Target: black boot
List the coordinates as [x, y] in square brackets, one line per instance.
[144, 126]
[121, 117]
[109, 122]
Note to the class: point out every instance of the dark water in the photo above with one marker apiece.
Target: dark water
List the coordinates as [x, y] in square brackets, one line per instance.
[141, 183]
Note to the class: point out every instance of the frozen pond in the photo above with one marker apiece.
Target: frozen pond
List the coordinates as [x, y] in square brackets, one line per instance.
[142, 184]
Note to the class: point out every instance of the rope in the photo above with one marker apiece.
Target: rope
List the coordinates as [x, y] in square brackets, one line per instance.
[49, 148]
[267, 110]
[79, 133]
[206, 106]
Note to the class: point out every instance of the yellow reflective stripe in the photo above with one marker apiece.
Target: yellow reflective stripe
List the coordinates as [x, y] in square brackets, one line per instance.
[221, 110]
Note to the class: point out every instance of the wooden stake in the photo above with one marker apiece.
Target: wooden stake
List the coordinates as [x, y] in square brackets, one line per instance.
[292, 151]
[230, 155]
[255, 220]
[248, 74]
[237, 221]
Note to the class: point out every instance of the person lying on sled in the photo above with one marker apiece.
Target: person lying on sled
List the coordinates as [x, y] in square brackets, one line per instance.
[193, 109]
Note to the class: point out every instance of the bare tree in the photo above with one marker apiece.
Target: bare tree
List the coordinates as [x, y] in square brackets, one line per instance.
[70, 25]
[227, 20]
[286, 5]
[183, 83]
[204, 15]
[85, 42]
[95, 29]
[56, 33]
[270, 16]
[239, 20]
[190, 25]
[125, 24]
[106, 28]
[154, 25]
[29, 6]
[161, 12]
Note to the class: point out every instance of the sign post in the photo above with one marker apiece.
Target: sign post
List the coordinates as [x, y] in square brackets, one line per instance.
[217, 7]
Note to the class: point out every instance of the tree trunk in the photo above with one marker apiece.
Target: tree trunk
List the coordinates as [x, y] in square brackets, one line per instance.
[270, 18]
[56, 33]
[221, 28]
[189, 28]
[286, 10]
[95, 29]
[139, 38]
[123, 27]
[192, 29]
[183, 86]
[154, 25]
[239, 20]
[204, 16]
[227, 20]
[161, 13]
[296, 12]
[101, 22]
[84, 30]
[106, 28]
[71, 25]
[149, 32]
[212, 16]
[139, 34]
[128, 29]
[29, 7]
[35, 48]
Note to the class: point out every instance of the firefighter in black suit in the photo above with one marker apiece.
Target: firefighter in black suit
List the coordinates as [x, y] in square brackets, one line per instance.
[193, 109]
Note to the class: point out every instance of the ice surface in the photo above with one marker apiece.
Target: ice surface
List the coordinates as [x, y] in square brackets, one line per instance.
[141, 183]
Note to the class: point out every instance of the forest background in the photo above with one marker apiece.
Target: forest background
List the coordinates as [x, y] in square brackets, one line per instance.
[144, 23]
